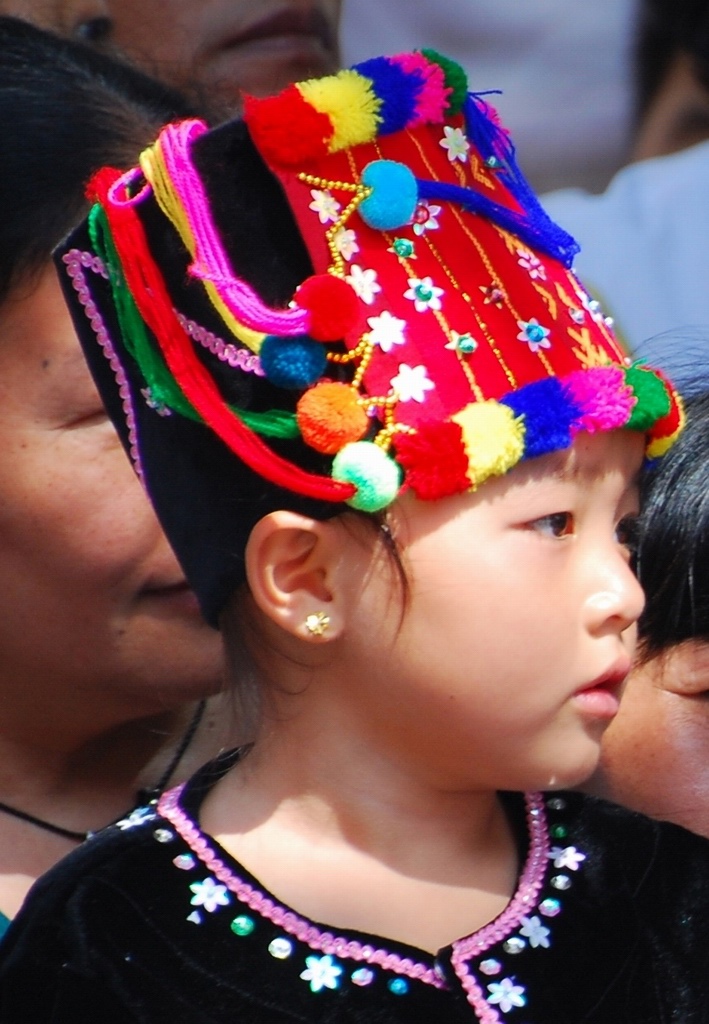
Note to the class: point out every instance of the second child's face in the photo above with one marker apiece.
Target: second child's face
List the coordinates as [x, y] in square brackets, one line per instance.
[506, 666]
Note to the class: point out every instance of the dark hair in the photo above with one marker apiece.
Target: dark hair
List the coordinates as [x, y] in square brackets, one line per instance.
[673, 541]
[666, 28]
[65, 111]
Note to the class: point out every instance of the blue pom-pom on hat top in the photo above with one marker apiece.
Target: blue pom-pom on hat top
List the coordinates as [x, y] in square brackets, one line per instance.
[394, 196]
[549, 415]
[396, 88]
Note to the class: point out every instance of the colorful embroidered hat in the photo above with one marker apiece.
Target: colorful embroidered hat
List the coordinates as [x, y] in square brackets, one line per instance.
[353, 290]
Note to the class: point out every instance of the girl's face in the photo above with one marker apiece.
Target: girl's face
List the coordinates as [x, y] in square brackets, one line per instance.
[91, 593]
[654, 755]
[505, 668]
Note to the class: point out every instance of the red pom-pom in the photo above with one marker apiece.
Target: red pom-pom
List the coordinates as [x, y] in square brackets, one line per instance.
[333, 306]
[434, 460]
[329, 417]
[286, 129]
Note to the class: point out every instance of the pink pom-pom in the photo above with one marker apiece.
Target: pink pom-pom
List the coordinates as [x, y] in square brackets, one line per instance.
[605, 400]
[432, 98]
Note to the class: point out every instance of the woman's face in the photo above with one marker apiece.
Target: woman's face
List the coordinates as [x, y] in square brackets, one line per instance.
[92, 598]
[67, 17]
[226, 47]
[655, 755]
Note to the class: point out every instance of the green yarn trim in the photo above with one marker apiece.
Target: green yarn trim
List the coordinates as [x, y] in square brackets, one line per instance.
[275, 423]
[163, 389]
[653, 401]
[455, 77]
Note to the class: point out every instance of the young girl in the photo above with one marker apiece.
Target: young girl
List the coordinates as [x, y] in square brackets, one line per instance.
[395, 445]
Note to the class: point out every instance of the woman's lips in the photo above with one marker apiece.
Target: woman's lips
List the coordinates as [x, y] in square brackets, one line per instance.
[283, 29]
[176, 598]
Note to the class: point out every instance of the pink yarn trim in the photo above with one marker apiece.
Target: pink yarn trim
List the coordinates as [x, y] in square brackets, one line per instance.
[604, 398]
[228, 353]
[76, 262]
[118, 192]
[432, 100]
[210, 260]
[520, 905]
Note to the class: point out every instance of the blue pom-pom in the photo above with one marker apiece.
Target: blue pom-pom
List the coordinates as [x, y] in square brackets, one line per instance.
[395, 88]
[394, 197]
[293, 363]
[548, 416]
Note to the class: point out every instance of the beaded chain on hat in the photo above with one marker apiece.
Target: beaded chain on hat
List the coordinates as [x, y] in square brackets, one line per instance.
[442, 337]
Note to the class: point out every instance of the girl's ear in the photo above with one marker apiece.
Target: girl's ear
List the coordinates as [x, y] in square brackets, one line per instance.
[291, 569]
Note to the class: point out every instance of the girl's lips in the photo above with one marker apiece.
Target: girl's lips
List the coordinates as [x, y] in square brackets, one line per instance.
[601, 698]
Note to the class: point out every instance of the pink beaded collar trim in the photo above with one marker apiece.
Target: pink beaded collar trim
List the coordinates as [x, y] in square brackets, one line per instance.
[524, 899]
[520, 905]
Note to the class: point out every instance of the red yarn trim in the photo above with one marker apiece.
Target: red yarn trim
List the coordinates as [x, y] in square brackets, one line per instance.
[435, 460]
[669, 424]
[286, 129]
[100, 182]
[150, 294]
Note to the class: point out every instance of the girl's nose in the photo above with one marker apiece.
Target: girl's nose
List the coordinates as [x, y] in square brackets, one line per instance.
[616, 599]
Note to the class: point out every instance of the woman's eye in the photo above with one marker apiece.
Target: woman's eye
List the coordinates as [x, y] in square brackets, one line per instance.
[627, 533]
[94, 31]
[558, 524]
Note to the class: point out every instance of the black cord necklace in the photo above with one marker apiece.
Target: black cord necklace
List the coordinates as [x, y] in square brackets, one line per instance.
[144, 796]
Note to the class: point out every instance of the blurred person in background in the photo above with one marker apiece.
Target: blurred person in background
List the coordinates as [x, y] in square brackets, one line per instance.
[643, 241]
[221, 48]
[563, 67]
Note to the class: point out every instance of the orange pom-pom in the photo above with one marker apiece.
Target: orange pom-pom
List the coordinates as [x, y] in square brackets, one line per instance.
[286, 129]
[333, 306]
[329, 417]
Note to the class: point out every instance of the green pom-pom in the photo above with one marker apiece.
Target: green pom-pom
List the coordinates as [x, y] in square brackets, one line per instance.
[375, 475]
[653, 400]
[455, 76]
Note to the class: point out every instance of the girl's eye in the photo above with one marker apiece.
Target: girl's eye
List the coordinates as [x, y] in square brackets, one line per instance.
[558, 524]
[627, 533]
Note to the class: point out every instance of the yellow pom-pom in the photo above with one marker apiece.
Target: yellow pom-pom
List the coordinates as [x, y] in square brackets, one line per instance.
[493, 439]
[350, 102]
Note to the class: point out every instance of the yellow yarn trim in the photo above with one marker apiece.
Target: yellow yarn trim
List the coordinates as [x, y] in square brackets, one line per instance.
[350, 102]
[153, 167]
[493, 439]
